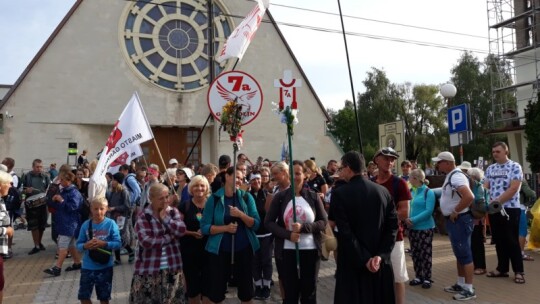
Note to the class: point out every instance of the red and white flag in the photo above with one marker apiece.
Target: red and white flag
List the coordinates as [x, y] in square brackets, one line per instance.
[239, 40]
[125, 158]
[129, 132]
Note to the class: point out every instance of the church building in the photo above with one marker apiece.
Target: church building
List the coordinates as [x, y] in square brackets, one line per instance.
[77, 85]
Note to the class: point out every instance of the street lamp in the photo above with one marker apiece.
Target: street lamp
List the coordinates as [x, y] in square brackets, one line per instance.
[448, 91]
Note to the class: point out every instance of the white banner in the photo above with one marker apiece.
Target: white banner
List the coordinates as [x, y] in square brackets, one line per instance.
[238, 42]
[125, 158]
[131, 130]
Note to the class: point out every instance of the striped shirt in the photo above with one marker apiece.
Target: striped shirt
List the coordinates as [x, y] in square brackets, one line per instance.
[4, 223]
[157, 237]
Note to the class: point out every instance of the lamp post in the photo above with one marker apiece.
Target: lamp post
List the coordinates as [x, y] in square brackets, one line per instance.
[448, 91]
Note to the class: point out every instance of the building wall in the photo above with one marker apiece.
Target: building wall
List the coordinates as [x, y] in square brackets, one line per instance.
[81, 83]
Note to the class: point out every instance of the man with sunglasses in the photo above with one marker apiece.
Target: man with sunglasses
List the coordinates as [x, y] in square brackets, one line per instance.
[385, 159]
[456, 197]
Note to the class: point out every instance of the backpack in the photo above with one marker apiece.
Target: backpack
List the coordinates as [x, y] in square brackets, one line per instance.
[478, 206]
[137, 201]
[13, 200]
[471, 182]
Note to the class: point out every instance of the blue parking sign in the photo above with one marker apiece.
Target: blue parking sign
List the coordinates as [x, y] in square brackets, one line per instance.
[458, 119]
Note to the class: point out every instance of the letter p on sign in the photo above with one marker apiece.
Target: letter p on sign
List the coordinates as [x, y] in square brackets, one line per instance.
[457, 119]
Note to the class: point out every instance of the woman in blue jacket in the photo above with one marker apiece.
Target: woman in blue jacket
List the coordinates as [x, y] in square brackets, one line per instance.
[421, 226]
[230, 220]
[67, 219]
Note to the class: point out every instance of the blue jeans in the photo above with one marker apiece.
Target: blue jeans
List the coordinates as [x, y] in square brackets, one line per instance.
[460, 233]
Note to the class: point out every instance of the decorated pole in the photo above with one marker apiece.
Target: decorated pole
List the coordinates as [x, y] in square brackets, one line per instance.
[287, 108]
[235, 99]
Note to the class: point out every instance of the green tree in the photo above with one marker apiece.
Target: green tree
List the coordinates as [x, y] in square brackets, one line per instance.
[343, 127]
[532, 125]
[420, 108]
[375, 106]
[473, 81]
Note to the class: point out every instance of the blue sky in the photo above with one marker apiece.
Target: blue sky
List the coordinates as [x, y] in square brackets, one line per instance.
[26, 24]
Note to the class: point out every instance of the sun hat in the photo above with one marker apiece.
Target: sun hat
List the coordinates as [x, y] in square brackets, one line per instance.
[329, 242]
[465, 165]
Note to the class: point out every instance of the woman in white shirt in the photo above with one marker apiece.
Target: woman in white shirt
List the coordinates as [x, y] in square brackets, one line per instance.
[305, 232]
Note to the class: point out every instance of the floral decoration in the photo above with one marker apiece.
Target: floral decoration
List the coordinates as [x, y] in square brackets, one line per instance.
[231, 121]
[288, 114]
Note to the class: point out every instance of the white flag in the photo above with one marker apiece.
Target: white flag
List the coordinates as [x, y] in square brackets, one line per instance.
[125, 158]
[131, 129]
[239, 40]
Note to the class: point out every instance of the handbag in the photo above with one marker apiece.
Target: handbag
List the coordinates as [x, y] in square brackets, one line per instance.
[329, 242]
[99, 255]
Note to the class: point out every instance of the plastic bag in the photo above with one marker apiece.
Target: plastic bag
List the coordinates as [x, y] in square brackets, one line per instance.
[534, 237]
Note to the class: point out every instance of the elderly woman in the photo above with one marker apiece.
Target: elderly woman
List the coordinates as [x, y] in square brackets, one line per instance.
[5, 229]
[421, 226]
[230, 219]
[478, 236]
[158, 276]
[120, 212]
[304, 233]
[193, 241]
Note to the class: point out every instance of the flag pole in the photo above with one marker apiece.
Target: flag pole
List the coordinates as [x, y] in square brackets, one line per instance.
[164, 166]
[291, 173]
[351, 79]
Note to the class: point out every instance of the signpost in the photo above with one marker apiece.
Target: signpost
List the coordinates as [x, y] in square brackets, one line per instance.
[459, 126]
[236, 86]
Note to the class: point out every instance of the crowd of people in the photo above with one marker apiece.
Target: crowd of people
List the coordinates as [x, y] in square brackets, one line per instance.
[193, 231]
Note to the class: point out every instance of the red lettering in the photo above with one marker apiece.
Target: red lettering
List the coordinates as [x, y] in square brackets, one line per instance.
[236, 81]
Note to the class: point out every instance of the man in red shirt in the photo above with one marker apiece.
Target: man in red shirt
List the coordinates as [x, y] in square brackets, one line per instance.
[385, 160]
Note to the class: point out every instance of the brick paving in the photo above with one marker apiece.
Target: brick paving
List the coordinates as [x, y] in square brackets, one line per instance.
[26, 282]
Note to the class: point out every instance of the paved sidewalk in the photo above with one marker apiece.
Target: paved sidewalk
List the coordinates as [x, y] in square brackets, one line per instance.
[26, 282]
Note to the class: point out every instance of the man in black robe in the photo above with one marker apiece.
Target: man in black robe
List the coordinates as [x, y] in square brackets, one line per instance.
[366, 219]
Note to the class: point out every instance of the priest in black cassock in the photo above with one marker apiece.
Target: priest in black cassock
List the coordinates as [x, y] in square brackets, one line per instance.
[367, 223]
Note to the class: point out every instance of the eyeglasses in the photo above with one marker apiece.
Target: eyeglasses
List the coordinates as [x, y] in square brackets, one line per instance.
[339, 169]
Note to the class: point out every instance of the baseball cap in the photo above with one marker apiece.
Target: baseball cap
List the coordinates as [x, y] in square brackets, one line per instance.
[173, 161]
[465, 165]
[445, 155]
[388, 151]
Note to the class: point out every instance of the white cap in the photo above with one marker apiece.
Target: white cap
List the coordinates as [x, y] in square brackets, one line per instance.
[188, 172]
[444, 156]
[173, 161]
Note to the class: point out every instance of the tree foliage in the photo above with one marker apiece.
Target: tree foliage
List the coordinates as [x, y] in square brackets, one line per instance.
[473, 81]
[423, 110]
[532, 120]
